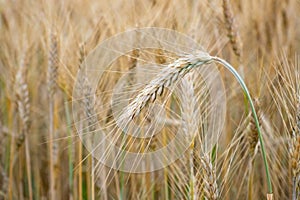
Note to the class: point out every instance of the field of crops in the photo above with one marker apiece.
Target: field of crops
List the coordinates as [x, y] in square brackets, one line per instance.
[91, 91]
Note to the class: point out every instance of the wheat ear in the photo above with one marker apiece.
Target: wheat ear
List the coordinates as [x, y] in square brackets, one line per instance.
[210, 187]
[178, 69]
[53, 62]
[232, 30]
[81, 58]
[165, 78]
[91, 116]
[22, 94]
[190, 114]
[88, 102]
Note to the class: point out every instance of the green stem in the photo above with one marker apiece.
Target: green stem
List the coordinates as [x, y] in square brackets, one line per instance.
[243, 85]
[67, 111]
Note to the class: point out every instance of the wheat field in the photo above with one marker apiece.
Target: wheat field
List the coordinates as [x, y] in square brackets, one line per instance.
[47, 145]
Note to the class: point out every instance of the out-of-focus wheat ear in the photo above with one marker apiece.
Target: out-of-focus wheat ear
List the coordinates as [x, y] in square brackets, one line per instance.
[251, 131]
[81, 54]
[210, 187]
[233, 33]
[88, 102]
[92, 120]
[159, 57]
[23, 104]
[13, 126]
[22, 98]
[133, 59]
[132, 64]
[53, 63]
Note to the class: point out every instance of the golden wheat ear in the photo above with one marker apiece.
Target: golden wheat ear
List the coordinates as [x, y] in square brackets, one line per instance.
[179, 69]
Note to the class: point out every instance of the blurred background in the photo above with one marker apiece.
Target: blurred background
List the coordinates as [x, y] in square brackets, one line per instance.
[43, 44]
